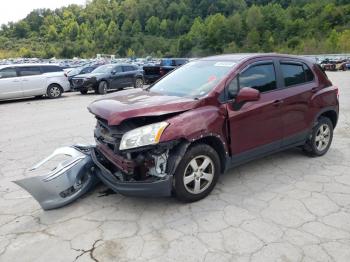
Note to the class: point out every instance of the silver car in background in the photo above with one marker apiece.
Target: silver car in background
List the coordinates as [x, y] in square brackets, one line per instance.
[25, 80]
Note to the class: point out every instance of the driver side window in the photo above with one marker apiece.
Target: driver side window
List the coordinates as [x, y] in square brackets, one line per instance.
[260, 77]
[118, 69]
[8, 73]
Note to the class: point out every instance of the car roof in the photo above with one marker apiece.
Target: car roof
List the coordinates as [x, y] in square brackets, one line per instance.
[24, 65]
[245, 56]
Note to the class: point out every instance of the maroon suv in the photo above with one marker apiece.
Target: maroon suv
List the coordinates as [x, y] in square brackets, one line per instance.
[209, 115]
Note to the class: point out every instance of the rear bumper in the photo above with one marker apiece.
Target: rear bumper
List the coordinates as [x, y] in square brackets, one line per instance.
[154, 188]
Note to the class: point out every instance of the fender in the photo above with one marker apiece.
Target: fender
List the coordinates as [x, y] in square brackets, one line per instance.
[199, 123]
[333, 109]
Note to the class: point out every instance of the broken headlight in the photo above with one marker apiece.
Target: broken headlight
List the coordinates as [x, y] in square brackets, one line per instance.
[143, 136]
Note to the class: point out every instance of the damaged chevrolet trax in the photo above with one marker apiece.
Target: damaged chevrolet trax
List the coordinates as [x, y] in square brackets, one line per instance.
[214, 113]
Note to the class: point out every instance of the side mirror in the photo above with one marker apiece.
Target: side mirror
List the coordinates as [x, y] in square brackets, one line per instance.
[247, 94]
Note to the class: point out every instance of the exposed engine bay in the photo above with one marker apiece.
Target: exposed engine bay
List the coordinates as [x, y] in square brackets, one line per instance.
[137, 164]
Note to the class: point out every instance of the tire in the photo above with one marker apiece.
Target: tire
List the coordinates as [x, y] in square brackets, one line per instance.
[54, 91]
[83, 92]
[320, 139]
[138, 83]
[102, 88]
[192, 186]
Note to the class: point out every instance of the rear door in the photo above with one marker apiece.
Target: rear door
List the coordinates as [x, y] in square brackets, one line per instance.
[32, 79]
[299, 85]
[255, 127]
[10, 85]
[129, 73]
[117, 78]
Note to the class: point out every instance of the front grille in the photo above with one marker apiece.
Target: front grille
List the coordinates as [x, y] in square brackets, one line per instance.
[78, 82]
[107, 135]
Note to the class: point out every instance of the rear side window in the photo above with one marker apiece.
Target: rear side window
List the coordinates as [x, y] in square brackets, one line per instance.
[8, 73]
[29, 71]
[51, 69]
[260, 77]
[128, 68]
[296, 74]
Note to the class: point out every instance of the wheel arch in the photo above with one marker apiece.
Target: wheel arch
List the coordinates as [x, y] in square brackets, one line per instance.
[179, 151]
[330, 113]
[217, 145]
[54, 84]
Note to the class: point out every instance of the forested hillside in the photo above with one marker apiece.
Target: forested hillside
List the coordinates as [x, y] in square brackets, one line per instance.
[180, 28]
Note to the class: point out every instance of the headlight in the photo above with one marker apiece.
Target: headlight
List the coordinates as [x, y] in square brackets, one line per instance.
[143, 136]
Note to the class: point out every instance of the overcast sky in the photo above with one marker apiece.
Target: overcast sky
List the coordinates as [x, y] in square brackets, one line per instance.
[14, 10]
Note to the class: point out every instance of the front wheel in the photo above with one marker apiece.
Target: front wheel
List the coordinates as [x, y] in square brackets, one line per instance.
[321, 138]
[54, 91]
[102, 88]
[197, 173]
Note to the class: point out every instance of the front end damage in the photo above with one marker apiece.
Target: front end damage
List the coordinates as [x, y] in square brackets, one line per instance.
[146, 171]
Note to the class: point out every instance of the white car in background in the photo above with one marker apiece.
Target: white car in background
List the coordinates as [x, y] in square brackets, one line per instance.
[25, 80]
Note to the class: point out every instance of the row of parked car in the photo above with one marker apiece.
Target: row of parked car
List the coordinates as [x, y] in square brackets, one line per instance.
[335, 65]
[26, 80]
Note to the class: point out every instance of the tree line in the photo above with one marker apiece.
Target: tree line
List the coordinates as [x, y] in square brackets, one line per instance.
[165, 28]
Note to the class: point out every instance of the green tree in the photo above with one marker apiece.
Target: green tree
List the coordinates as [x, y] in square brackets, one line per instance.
[152, 25]
[52, 33]
[136, 27]
[254, 17]
[127, 26]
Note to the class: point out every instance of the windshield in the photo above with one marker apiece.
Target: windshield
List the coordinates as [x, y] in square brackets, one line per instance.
[104, 69]
[194, 79]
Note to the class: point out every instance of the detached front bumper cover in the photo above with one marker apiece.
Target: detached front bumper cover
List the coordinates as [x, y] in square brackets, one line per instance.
[65, 183]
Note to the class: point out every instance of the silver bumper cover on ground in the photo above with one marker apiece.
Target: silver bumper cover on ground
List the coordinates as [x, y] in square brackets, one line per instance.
[67, 182]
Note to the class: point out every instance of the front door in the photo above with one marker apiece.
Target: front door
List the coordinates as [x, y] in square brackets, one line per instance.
[10, 85]
[255, 127]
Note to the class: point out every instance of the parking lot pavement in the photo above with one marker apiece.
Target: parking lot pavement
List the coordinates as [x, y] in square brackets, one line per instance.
[285, 207]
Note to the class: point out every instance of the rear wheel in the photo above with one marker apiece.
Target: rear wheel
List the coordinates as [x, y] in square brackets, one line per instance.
[321, 138]
[197, 173]
[138, 83]
[54, 91]
[102, 88]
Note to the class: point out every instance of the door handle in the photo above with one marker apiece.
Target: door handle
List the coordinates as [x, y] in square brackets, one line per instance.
[314, 90]
[278, 102]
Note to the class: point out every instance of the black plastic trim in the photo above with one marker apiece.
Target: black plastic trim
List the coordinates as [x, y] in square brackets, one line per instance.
[157, 188]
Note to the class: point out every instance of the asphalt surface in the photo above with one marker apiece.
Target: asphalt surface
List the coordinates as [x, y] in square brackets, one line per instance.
[285, 207]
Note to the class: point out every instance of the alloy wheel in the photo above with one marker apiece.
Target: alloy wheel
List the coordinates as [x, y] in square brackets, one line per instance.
[322, 137]
[199, 174]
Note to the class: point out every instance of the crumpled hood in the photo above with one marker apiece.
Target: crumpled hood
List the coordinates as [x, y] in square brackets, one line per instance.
[120, 106]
